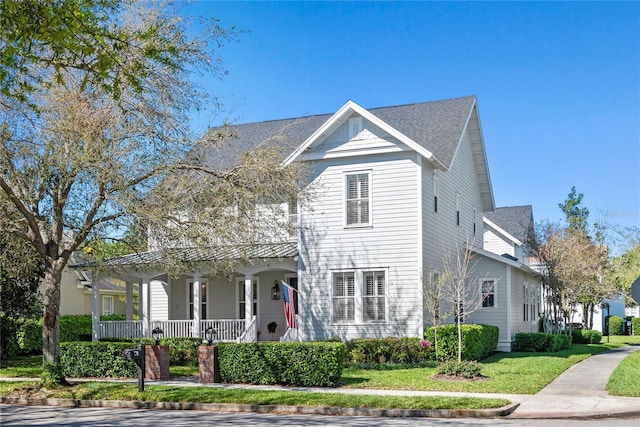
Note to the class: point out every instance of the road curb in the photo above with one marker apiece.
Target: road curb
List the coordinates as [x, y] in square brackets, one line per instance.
[624, 413]
[263, 409]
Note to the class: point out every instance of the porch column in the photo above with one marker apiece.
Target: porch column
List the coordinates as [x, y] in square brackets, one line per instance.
[129, 301]
[197, 303]
[144, 303]
[248, 299]
[95, 308]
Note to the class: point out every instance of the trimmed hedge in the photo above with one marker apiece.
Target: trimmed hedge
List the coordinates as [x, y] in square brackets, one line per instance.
[478, 341]
[635, 325]
[540, 342]
[388, 350]
[96, 359]
[585, 336]
[306, 364]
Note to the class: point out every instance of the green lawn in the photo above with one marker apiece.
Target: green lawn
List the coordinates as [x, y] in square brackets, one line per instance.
[513, 373]
[625, 380]
[111, 391]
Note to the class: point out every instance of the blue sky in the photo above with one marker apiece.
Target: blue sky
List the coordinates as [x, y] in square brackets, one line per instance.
[558, 83]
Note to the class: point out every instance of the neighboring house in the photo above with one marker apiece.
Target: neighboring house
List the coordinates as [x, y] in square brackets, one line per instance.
[76, 294]
[398, 187]
[506, 231]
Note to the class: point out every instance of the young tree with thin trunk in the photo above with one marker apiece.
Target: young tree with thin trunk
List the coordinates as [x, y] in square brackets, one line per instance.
[94, 137]
[460, 287]
[433, 297]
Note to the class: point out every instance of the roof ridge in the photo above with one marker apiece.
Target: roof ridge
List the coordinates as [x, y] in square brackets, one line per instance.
[329, 114]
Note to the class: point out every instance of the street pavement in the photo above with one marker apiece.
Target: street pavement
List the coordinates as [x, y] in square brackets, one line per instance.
[577, 394]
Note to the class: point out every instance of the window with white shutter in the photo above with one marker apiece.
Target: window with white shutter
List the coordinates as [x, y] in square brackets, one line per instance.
[358, 199]
[374, 296]
[344, 301]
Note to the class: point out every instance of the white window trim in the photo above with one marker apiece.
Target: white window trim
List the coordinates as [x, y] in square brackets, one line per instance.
[256, 295]
[494, 289]
[358, 277]
[386, 296]
[458, 214]
[106, 298]
[368, 172]
[203, 316]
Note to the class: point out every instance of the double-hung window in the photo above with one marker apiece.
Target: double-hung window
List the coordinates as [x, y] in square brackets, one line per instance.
[374, 296]
[344, 297]
[358, 199]
[488, 293]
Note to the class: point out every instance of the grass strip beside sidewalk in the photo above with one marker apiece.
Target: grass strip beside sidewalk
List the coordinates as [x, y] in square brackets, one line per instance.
[154, 393]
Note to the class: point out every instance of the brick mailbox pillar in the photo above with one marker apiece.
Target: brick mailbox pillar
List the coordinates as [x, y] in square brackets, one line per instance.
[156, 362]
[209, 364]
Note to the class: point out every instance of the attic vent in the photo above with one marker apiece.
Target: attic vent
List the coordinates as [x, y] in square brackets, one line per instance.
[511, 257]
[355, 127]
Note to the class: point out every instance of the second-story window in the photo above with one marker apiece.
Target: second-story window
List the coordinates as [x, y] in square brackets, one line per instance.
[458, 209]
[358, 199]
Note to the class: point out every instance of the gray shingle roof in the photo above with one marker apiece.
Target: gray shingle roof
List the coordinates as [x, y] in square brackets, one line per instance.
[437, 126]
[196, 255]
[515, 220]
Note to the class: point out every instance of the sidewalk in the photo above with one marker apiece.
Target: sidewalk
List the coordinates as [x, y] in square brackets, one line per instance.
[578, 393]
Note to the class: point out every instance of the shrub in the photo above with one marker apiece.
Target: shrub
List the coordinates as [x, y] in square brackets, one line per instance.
[8, 336]
[540, 342]
[478, 341]
[75, 328]
[30, 337]
[182, 351]
[308, 364]
[96, 359]
[635, 325]
[614, 325]
[463, 369]
[585, 336]
[388, 350]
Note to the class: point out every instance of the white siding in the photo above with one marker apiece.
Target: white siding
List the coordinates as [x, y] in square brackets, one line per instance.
[159, 301]
[440, 232]
[519, 278]
[496, 243]
[497, 316]
[389, 244]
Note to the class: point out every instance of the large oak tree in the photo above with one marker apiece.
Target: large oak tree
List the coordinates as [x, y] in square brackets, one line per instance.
[94, 137]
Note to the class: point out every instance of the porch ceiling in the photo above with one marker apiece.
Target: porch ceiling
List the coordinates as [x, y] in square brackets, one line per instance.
[198, 255]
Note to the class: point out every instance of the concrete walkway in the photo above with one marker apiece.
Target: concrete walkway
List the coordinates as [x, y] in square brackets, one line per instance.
[578, 393]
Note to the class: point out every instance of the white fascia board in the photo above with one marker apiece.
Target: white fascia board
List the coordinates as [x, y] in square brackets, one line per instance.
[499, 258]
[341, 115]
[501, 231]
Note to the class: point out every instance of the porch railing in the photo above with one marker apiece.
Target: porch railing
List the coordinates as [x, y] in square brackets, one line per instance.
[251, 333]
[227, 330]
[120, 329]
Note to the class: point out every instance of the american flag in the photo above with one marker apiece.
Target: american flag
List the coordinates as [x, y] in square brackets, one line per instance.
[289, 309]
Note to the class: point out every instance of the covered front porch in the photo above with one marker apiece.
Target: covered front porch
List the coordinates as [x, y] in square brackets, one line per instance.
[188, 303]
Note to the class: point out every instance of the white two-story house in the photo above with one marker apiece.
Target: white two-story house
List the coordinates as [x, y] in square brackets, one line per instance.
[395, 189]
